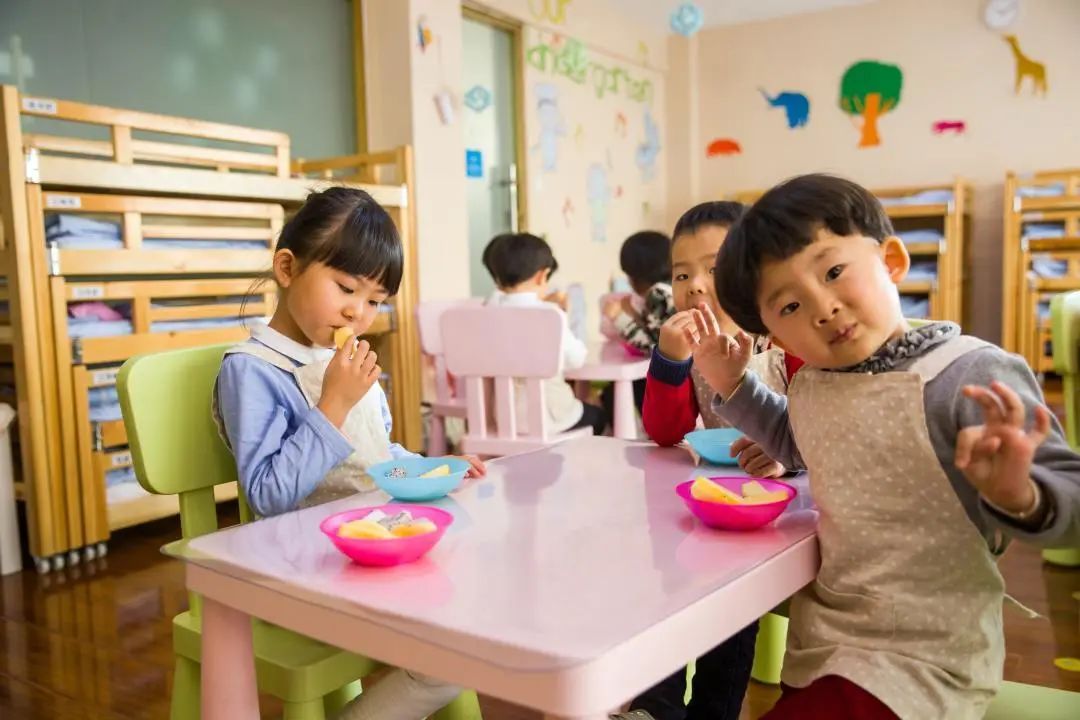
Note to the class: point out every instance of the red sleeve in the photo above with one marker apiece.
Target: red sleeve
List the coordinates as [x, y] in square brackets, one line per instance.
[669, 411]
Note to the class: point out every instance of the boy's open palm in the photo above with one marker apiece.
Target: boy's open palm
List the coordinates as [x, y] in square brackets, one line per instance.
[996, 456]
[349, 376]
[719, 357]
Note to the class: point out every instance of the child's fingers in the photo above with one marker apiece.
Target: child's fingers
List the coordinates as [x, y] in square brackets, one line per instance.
[1042, 425]
[739, 445]
[478, 467]
[745, 343]
[699, 323]
[691, 335]
[710, 319]
[965, 444]
[1014, 408]
[993, 408]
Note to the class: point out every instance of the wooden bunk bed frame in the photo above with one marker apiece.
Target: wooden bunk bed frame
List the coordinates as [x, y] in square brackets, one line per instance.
[155, 187]
[1023, 331]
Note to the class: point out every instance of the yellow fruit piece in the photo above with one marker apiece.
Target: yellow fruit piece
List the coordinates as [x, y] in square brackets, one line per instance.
[437, 472]
[753, 488]
[341, 336]
[417, 527]
[766, 498]
[363, 530]
[706, 490]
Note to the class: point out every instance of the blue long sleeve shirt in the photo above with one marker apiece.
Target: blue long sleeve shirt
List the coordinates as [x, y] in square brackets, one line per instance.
[283, 447]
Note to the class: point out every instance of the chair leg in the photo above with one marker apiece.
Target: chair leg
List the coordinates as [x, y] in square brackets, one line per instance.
[437, 436]
[465, 706]
[185, 703]
[769, 650]
[338, 699]
[306, 710]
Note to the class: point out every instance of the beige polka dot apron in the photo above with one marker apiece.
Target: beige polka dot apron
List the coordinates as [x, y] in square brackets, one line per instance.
[907, 603]
[767, 365]
[363, 427]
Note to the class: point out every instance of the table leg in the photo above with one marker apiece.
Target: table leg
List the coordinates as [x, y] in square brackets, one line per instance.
[229, 691]
[625, 422]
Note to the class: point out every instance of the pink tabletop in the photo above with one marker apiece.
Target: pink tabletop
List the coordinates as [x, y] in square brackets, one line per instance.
[555, 558]
[610, 361]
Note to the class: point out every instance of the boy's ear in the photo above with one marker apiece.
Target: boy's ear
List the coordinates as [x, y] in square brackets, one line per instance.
[541, 276]
[285, 267]
[897, 260]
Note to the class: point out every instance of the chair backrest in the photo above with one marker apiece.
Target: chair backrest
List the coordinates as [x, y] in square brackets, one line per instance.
[175, 445]
[516, 349]
[1065, 339]
[428, 318]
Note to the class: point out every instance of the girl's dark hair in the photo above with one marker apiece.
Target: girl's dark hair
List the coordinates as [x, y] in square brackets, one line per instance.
[513, 258]
[346, 229]
[722, 213]
[779, 225]
[645, 257]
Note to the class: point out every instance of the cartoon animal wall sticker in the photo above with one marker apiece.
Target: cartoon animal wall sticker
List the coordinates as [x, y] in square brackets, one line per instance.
[1027, 68]
[868, 90]
[1000, 14]
[796, 106]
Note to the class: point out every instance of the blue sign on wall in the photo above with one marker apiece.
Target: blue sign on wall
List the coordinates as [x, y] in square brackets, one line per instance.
[474, 164]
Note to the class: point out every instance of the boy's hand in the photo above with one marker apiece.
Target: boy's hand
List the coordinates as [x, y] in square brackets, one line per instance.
[559, 298]
[351, 373]
[720, 358]
[996, 456]
[612, 309]
[754, 461]
[673, 343]
[477, 469]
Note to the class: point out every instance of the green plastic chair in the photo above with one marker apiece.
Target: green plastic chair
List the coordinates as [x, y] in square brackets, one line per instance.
[176, 450]
[1065, 338]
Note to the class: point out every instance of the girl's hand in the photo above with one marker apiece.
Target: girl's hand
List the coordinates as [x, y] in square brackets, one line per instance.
[558, 298]
[720, 358]
[996, 456]
[754, 461]
[477, 468]
[612, 309]
[673, 343]
[349, 376]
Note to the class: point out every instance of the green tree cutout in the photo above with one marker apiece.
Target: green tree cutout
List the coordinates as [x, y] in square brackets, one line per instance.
[870, 89]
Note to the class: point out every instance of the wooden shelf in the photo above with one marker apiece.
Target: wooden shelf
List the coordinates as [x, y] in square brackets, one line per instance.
[917, 211]
[916, 287]
[923, 249]
[139, 510]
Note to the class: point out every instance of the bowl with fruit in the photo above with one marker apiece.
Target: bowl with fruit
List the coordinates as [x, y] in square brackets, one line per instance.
[736, 503]
[419, 479]
[714, 445]
[386, 535]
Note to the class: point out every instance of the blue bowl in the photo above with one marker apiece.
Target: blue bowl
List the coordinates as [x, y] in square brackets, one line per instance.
[714, 446]
[413, 488]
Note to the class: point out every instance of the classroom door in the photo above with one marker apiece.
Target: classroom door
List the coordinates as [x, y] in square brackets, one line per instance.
[491, 124]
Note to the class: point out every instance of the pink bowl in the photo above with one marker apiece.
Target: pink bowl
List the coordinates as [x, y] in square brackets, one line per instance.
[633, 351]
[386, 553]
[737, 517]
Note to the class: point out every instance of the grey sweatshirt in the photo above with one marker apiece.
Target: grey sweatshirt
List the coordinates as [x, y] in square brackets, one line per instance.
[763, 416]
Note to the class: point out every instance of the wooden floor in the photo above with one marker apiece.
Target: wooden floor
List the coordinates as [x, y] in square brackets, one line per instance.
[93, 642]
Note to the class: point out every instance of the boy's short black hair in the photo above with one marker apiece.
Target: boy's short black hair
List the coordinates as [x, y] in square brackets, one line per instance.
[513, 258]
[645, 257]
[722, 213]
[782, 222]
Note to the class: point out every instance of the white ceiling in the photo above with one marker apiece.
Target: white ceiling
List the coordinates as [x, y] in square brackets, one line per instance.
[727, 12]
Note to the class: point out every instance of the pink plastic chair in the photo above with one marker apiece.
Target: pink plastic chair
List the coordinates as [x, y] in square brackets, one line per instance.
[507, 347]
[449, 400]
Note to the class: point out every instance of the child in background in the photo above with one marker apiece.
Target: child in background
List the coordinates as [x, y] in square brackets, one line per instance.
[674, 397]
[521, 266]
[305, 421]
[645, 257]
[925, 449]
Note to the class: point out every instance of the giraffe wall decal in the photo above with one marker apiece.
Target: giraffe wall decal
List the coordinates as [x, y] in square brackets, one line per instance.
[1026, 67]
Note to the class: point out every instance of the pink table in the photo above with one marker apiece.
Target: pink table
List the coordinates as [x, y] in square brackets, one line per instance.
[609, 361]
[572, 579]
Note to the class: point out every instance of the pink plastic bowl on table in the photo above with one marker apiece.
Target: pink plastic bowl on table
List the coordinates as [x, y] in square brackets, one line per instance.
[737, 517]
[633, 351]
[393, 551]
